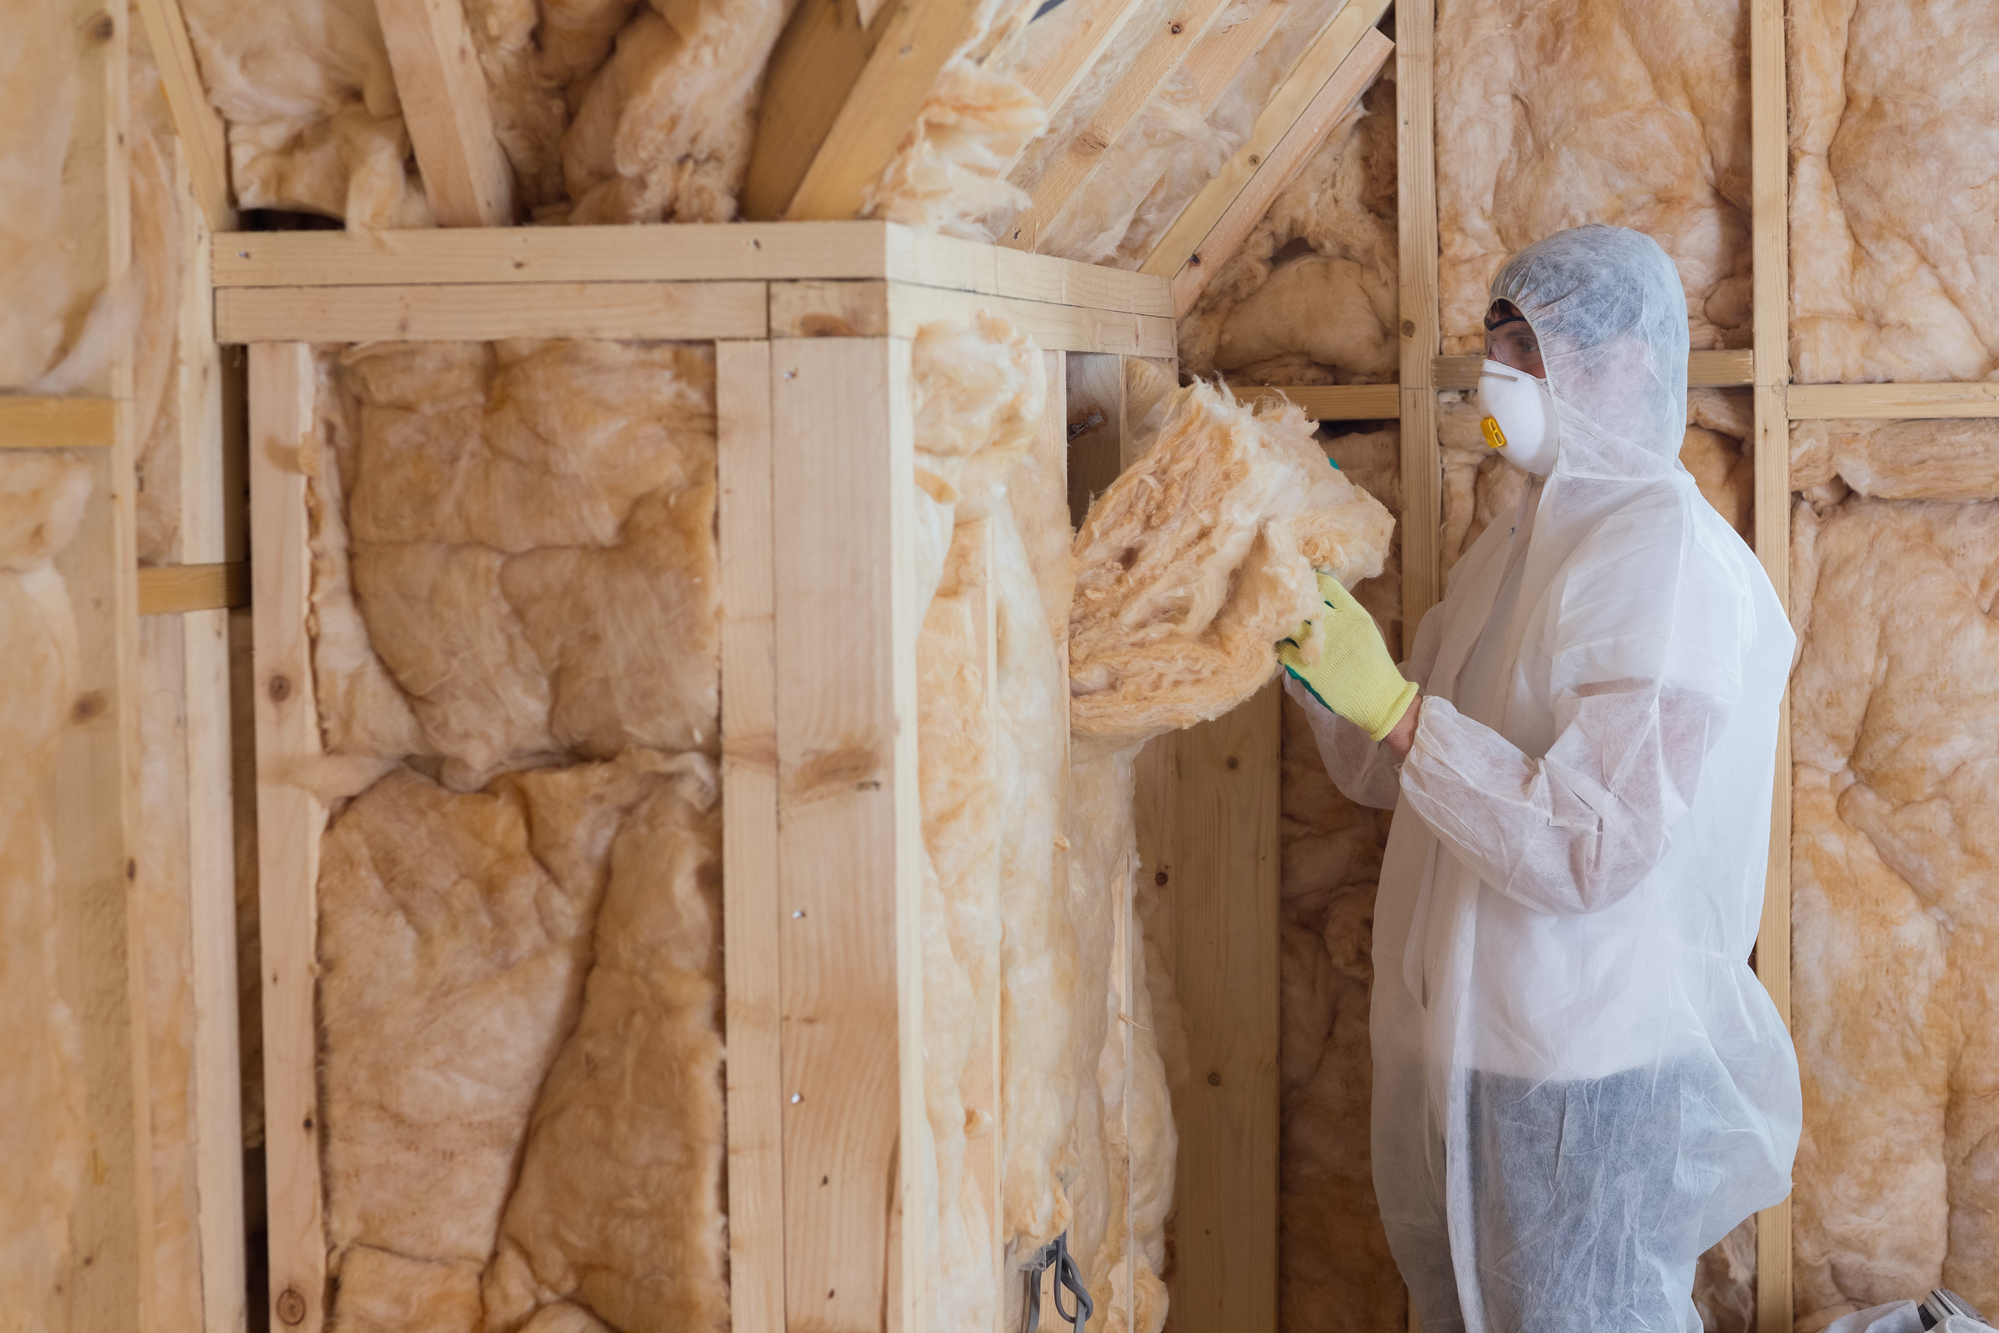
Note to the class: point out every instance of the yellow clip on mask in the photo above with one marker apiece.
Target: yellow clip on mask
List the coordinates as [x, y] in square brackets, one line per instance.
[1520, 419]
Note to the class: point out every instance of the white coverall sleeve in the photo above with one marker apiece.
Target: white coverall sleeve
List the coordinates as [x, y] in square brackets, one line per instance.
[1638, 707]
[1366, 771]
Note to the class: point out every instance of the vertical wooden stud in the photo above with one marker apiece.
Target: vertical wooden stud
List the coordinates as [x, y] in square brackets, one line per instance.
[749, 838]
[1770, 235]
[849, 830]
[1416, 211]
[290, 820]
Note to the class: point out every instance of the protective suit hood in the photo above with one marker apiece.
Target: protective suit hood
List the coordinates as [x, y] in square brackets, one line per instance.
[1607, 306]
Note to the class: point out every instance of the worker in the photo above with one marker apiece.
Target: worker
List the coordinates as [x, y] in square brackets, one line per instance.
[1579, 1084]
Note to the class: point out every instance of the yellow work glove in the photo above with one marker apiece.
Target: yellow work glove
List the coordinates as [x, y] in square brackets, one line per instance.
[1351, 671]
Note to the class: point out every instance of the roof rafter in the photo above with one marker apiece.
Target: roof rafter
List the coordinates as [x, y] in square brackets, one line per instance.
[1072, 168]
[839, 95]
[1332, 73]
[203, 139]
[443, 92]
[1056, 80]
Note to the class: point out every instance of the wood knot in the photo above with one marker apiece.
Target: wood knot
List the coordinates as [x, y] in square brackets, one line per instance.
[825, 326]
[1234, 762]
[1160, 879]
[1214, 1080]
[1408, 328]
[291, 1306]
[280, 689]
[88, 706]
[103, 29]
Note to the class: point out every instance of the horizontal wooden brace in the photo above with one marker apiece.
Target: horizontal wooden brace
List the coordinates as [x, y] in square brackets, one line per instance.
[1333, 402]
[1806, 402]
[693, 252]
[899, 309]
[166, 590]
[481, 312]
[56, 423]
[1705, 370]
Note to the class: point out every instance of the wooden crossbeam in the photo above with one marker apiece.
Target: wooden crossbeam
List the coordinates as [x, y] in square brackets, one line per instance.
[1070, 172]
[1332, 402]
[1805, 402]
[1333, 74]
[202, 136]
[1225, 50]
[172, 589]
[56, 423]
[1705, 370]
[480, 312]
[1055, 81]
[840, 93]
[450, 121]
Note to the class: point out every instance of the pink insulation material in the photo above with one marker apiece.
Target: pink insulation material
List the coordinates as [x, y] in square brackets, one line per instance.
[514, 599]
[42, 1097]
[1892, 225]
[1631, 113]
[1895, 722]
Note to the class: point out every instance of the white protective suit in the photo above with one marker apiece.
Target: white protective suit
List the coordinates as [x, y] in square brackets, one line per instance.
[1579, 1084]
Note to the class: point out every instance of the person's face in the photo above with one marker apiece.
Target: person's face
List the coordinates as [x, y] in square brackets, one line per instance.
[1510, 341]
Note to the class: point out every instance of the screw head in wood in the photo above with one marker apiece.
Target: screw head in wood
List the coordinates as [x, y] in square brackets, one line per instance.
[1214, 1080]
[291, 1306]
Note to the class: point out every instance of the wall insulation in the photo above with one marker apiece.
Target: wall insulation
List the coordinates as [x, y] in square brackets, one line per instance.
[42, 498]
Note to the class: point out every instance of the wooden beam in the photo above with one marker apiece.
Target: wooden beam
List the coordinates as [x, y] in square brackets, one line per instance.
[56, 423]
[1069, 173]
[1705, 370]
[203, 140]
[1227, 48]
[1264, 173]
[290, 820]
[1053, 327]
[1319, 63]
[485, 311]
[1056, 80]
[750, 837]
[1806, 402]
[849, 841]
[839, 95]
[1770, 231]
[443, 92]
[1226, 928]
[1332, 402]
[166, 590]
[1417, 243]
[945, 261]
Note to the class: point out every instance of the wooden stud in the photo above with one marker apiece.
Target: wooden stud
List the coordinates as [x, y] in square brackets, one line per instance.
[443, 92]
[750, 838]
[1416, 205]
[1066, 177]
[1705, 370]
[290, 820]
[1297, 100]
[849, 829]
[1226, 932]
[1053, 327]
[482, 312]
[1770, 237]
[1805, 402]
[1055, 81]
[840, 93]
[1332, 402]
[1268, 173]
[166, 590]
[56, 423]
[198, 124]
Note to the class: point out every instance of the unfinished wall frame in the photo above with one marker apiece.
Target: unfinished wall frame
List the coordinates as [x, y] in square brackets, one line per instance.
[812, 325]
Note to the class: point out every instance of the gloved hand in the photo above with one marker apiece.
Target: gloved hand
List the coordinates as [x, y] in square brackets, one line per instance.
[1351, 671]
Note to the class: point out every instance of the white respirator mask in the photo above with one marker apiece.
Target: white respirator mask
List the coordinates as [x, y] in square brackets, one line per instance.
[1520, 418]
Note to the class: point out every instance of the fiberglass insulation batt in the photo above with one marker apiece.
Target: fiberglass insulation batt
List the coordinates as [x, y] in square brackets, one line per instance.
[1893, 227]
[515, 615]
[1628, 112]
[1895, 860]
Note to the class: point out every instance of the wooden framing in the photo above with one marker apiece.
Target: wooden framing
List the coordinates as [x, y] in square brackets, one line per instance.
[1056, 81]
[1334, 70]
[198, 124]
[1416, 211]
[443, 92]
[1806, 402]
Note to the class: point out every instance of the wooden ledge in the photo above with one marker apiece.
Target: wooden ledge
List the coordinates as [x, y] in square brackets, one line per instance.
[482, 312]
[1808, 402]
[166, 590]
[56, 423]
